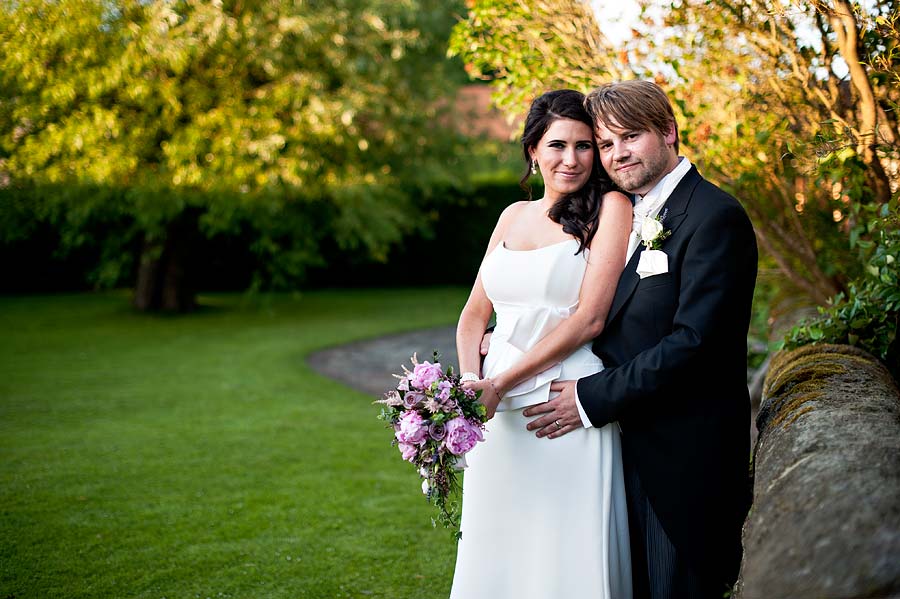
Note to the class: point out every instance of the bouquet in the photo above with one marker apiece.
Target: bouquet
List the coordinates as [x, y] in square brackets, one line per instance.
[435, 422]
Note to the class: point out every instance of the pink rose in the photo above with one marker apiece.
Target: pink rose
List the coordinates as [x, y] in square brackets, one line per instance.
[407, 451]
[425, 374]
[403, 385]
[411, 428]
[462, 436]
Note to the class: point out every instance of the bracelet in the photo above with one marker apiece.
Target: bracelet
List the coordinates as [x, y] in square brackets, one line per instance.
[469, 377]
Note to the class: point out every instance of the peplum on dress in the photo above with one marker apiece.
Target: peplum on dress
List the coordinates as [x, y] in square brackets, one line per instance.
[541, 518]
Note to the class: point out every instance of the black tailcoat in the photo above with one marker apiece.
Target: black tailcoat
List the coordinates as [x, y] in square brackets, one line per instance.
[675, 352]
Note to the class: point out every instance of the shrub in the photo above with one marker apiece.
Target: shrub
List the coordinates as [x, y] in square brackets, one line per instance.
[868, 315]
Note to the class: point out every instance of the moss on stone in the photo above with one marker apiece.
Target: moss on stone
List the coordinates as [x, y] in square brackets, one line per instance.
[788, 408]
[800, 394]
[799, 369]
[858, 360]
[823, 483]
[798, 415]
[801, 375]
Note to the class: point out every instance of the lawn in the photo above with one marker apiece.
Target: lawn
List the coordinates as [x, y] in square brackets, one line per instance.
[198, 456]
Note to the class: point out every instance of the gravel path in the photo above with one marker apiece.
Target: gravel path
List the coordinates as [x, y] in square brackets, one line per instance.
[367, 365]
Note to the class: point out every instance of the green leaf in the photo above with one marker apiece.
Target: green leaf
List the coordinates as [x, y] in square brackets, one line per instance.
[859, 323]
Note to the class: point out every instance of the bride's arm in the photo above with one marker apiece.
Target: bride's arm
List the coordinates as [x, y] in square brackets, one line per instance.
[472, 322]
[478, 309]
[605, 264]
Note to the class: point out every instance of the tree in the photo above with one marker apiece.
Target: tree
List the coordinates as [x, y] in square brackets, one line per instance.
[795, 136]
[765, 108]
[300, 120]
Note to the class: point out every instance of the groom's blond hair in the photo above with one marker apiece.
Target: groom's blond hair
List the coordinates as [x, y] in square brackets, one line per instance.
[634, 104]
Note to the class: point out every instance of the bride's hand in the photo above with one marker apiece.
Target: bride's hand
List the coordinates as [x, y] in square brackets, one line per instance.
[489, 396]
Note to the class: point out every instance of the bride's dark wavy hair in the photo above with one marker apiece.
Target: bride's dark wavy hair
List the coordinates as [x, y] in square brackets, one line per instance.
[578, 212]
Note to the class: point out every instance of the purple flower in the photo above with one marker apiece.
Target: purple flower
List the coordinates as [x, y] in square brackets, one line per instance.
[411, 428]
[425, 374]
[412, 399]
[444, 389]
[449, 404]
[404, 384]
[408, 451]
[462, 436]
[437, 431]
[470, 393]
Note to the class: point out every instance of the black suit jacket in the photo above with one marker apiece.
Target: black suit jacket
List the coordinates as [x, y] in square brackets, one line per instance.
[675, 352]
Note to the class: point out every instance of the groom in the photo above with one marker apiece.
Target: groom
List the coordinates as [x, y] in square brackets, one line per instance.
[675, 351]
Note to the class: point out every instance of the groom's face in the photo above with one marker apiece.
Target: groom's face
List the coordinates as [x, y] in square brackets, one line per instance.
[635, 160]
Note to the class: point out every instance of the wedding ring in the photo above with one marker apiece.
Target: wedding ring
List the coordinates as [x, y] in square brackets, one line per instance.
[558, 425]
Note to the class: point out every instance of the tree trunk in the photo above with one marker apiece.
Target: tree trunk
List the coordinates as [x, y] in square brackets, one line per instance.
[843, 20]
[164, 281]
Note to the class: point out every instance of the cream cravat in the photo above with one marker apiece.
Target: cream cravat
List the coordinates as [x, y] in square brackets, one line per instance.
[639, 213]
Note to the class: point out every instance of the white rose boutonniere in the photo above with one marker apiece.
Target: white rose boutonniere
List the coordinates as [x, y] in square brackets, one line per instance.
[653, 261]
[652, 233]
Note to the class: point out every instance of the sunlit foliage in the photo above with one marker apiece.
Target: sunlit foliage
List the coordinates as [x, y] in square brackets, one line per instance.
[305, 119]
[789, 106]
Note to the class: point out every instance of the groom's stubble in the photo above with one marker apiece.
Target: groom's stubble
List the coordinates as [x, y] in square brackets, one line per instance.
[646, 175]
[646, 166]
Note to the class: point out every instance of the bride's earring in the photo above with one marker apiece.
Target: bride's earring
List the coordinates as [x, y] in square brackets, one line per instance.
[533, 166]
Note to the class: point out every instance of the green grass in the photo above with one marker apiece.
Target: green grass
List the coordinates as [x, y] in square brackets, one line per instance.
[198, 456]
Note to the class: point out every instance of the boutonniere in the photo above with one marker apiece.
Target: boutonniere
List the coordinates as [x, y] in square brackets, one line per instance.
[653, 261]
[653, 233]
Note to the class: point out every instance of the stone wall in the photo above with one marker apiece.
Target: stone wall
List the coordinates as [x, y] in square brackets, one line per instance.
[825, 520]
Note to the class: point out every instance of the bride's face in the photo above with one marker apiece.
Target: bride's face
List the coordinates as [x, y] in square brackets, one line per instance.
[565, 155]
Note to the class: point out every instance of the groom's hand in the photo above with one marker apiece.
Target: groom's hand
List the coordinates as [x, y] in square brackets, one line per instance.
[558, 416]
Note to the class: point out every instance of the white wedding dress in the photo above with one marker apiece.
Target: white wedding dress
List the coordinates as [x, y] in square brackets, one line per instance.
[541, 518]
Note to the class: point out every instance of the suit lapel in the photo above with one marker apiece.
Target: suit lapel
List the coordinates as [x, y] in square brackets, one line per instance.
[627, 282]
[675, 209]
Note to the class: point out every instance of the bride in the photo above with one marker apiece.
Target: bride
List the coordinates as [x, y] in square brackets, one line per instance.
[543, 518]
